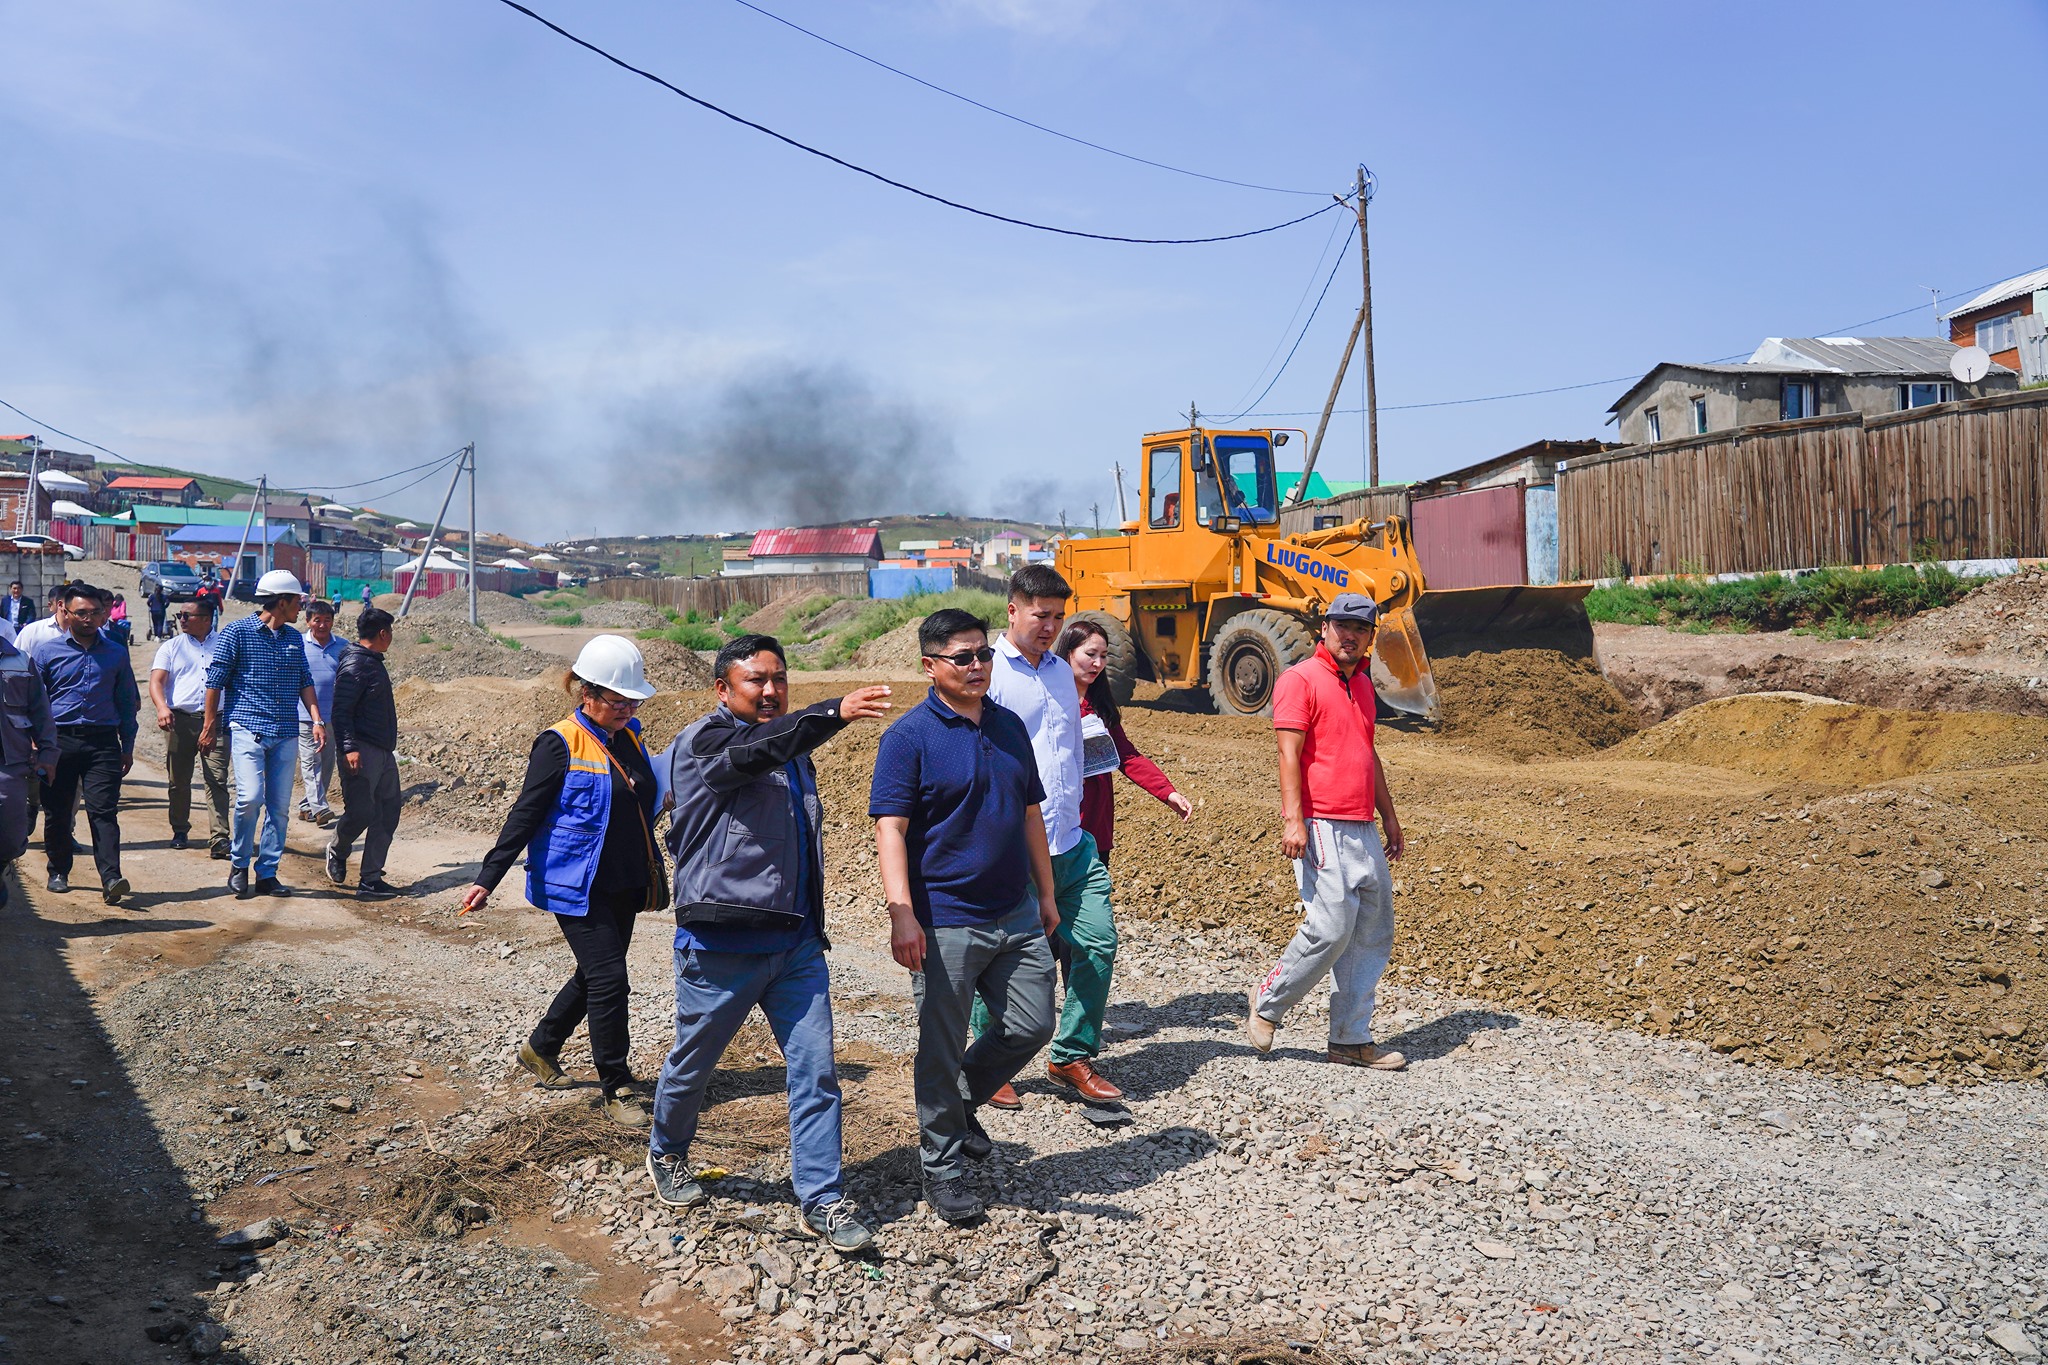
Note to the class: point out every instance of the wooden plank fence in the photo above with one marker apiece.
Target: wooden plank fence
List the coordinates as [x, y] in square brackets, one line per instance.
[711, 596]
[1373, 504]
[1954, 481]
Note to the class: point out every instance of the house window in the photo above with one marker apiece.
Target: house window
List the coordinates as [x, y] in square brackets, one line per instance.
[1925, 395]
[1165, 485]
[1797, 402]
[1999, 333]
[1653, 426]
[1699, 416]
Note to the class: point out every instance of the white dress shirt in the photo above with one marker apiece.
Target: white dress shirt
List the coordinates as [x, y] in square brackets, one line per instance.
[36, 632]
[1045, 700]
[186, 660]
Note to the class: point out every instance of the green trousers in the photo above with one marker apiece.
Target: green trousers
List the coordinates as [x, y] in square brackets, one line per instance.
[1080, 881]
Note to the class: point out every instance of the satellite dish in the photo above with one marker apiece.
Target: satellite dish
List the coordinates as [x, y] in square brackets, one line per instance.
[1970, 364]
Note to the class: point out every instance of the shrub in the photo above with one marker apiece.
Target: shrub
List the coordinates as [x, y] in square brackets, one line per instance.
[880, 617]
[1833, 601]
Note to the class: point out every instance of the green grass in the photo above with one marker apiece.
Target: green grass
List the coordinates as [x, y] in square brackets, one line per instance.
[508, 641]
[881, 617]
[1839, 603]
[689, 634]
[425, 638]
[564, 618]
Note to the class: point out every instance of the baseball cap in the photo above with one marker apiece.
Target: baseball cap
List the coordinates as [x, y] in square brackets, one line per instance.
[1352, 606]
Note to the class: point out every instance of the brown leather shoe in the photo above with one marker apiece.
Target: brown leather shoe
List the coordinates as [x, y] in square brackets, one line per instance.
[1365, 1054]
[1006, 1098]
[1083, 1079]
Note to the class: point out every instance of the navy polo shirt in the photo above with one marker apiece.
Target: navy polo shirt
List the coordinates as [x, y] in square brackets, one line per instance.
[964, 788]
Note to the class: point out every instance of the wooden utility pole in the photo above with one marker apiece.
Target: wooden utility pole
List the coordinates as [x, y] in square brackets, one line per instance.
[1123, 509]
[1372, 410]
[472, 533]
[1361, 190]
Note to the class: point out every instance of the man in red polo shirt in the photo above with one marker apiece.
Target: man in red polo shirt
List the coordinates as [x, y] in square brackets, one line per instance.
[1331, 785]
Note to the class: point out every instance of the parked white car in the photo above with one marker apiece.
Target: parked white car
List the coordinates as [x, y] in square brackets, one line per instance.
[42, 545]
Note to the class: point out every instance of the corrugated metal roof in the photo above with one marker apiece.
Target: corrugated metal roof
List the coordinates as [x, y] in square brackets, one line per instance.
[1856, 355]
[150, 482]
[2001, 293]
[818, 540]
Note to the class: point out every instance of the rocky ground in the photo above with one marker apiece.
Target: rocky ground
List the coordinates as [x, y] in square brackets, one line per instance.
[1727, 1042]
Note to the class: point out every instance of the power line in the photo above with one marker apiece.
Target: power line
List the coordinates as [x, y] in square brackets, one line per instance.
[786, 140]
[1307, 286]
[1342, 252]
[1016, 118]
[344, 487]
[39, 422]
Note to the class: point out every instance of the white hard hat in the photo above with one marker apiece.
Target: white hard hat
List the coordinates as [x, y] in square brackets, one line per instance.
[280, 583]
[614, 662]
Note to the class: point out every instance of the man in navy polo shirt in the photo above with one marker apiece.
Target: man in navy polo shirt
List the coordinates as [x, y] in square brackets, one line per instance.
[968, 877]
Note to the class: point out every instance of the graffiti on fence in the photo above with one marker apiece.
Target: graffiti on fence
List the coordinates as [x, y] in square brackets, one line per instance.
[1946, 525]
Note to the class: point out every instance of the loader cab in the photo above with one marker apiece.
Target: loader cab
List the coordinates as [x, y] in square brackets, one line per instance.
[1218, 477]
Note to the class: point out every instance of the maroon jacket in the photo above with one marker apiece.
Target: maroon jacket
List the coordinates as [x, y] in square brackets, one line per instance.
[1098, 793]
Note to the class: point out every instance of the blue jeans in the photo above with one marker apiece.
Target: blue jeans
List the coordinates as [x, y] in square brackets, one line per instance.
[263, 782]
[714, 994]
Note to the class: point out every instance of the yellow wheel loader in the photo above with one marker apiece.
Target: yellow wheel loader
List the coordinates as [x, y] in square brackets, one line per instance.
[1202, 590]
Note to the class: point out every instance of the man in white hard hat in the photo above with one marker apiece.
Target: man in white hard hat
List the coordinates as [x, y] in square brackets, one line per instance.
[258, 680]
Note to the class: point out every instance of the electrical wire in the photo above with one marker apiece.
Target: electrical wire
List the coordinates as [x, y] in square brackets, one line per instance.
[396, 473]
[786, 140]
[1016, 118]
[39, 422]
[1281, 340]
[438, 469]
[1328, 280]
[1630, 378]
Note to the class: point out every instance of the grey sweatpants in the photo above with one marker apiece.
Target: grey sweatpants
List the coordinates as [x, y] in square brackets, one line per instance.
[1009, 964]
[1347, 929]
[316, 770]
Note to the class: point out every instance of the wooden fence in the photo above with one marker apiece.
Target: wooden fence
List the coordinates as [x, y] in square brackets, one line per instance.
[711, 596]
[1955, 481]
[1373, 504]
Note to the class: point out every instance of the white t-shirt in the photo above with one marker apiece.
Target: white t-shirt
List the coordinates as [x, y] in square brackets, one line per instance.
[186, 660]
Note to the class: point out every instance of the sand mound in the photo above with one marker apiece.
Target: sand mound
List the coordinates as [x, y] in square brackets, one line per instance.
[672, 667]
[2006, 617]
[1530, 703]
[896, 649]
[627, 615]
[1791, 736]
[492, 608]
[439, 649]
[774, 617]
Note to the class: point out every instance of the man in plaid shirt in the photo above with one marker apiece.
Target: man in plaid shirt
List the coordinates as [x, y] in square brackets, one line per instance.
[259, 663]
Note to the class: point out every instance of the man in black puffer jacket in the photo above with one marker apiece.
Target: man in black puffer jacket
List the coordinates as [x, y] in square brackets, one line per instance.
[366, 733]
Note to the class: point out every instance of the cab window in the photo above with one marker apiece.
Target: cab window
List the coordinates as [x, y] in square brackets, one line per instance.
[1163, 475]
[1244, 470]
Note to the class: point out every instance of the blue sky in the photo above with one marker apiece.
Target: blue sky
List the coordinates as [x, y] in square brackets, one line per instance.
[328, 241]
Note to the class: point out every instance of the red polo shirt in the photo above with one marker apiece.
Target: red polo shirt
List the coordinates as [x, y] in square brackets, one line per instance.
[1336, 722]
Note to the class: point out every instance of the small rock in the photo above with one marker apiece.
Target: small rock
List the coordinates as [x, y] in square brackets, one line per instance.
[1494, 1251]
[1736, 867]
[295, 1142]
[2011, 1339]
[1134, 1342]
[725, 1282]
[665, 1292]
[1934, 879]
[342, 1104]
[206, 1339]
[1736, 1292]
[255, 1237]
[790, 1321]
[1729, 1042]
[776, 1265]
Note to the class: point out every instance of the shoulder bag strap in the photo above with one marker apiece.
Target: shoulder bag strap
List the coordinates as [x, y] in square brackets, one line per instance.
[657, 888]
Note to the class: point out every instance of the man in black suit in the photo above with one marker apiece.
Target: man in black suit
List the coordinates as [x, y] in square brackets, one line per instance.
[17, 608]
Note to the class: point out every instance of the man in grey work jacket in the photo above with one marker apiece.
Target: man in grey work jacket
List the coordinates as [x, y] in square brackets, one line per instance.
[28, 744]
[750, 922]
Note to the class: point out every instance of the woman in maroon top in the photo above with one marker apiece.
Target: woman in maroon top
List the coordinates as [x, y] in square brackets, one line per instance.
[1105, 745]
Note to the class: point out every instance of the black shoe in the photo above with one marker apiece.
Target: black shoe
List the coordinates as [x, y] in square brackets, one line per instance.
[5, 894]
[376, 890]
[977, 1143]
[269, 886]
[218, 851]
[952, 1200]
[59, 883]
[238, 882]
[180, 841]
[337, 867]
[112, 892]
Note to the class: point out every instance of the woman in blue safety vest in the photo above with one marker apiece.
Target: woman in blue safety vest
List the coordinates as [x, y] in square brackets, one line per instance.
[585, 818]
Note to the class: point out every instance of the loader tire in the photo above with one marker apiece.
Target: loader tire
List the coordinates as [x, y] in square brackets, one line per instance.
[1249, 654]
[1122, 670]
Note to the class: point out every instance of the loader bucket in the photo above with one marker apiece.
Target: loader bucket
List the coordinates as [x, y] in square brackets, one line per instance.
[1400, 667]
[1480, 620]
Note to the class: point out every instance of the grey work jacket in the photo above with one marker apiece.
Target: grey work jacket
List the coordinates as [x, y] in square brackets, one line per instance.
[27, 734]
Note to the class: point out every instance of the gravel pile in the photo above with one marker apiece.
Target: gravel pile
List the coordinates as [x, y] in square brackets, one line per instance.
[2006, 617]
[492, 608]
[624, 616]
[442, 649]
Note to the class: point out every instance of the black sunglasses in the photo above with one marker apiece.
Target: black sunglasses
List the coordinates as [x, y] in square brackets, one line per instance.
[966, 657]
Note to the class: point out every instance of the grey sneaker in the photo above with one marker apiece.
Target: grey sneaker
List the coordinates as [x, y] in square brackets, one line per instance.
[952, 1200]
[673, 1183]
[838, 1225]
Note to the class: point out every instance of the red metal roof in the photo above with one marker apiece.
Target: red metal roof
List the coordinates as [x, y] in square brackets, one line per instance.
[818, 540]
[151, 483]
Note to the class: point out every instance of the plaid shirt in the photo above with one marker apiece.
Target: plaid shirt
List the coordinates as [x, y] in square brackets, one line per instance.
[262, 671]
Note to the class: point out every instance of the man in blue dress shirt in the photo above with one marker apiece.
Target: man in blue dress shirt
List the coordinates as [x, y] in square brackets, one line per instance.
[93, 700]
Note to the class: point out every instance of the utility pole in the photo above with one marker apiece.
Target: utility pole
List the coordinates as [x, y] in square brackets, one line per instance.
[263, 498]
[1123, 509]
[25, 524]
[1361, 324]
[419, 568]
[1372, 408]
[1095, 517]
[472, 457]
[228, 588]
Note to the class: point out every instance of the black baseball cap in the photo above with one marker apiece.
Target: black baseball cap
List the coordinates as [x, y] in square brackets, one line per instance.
[1352, 606]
